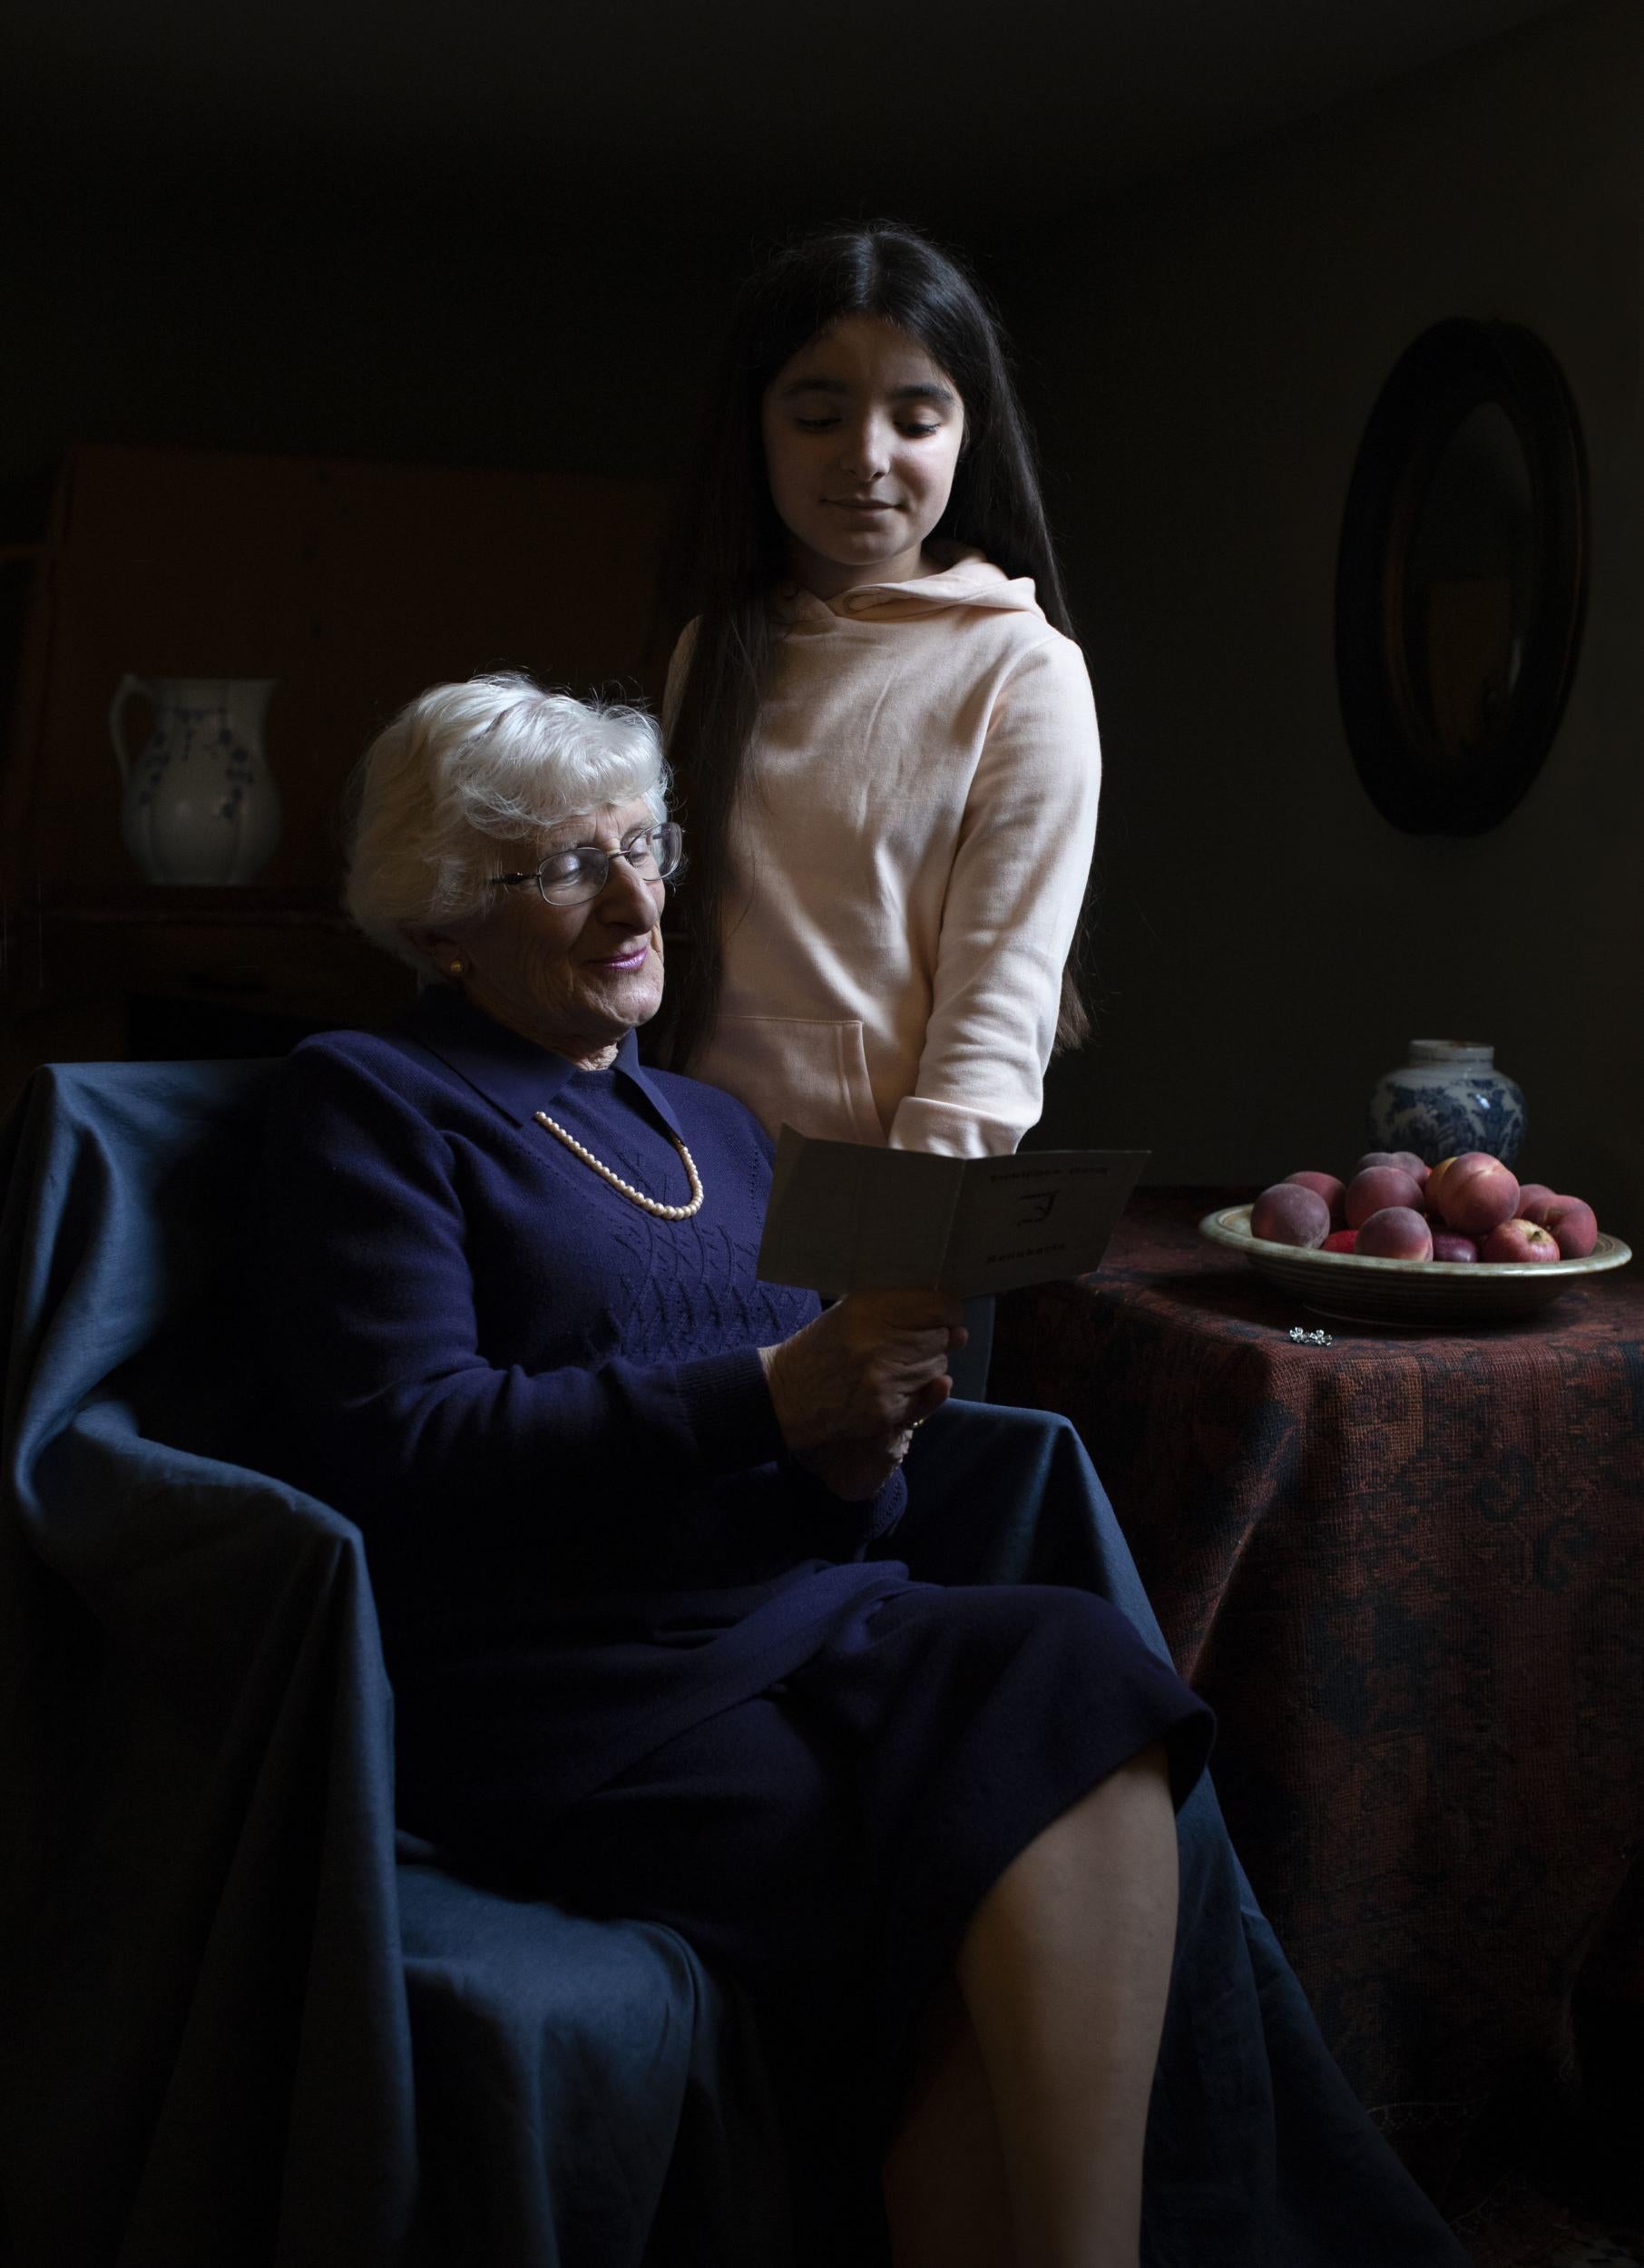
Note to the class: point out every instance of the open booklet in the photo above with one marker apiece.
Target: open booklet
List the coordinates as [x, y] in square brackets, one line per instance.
[845, 1216]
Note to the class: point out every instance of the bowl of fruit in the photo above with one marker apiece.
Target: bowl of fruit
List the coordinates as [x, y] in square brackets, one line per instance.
[1459, 1243]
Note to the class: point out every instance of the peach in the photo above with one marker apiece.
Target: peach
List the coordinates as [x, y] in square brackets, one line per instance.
[1375, 1190]
[1534, 1198]
[1287, 1215]
[1477, 1194]
[1397, 1233]
[1573, 1226]
[1416, 1167]
[1448, 1245]
[1324, 1185]
[1434, 1182]
[1518, 1240]
[1342, 1240]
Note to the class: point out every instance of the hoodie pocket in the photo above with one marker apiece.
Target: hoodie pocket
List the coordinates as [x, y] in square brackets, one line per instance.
[803, 1072]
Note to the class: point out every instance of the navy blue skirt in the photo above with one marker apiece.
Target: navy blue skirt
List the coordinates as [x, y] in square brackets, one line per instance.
[826, 1842]
[825, 1839]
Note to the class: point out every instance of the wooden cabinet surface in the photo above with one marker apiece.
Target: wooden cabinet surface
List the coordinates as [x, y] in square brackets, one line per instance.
[355, 586]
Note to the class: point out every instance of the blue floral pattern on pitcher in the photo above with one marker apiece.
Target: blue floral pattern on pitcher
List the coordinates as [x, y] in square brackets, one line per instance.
[200, 804]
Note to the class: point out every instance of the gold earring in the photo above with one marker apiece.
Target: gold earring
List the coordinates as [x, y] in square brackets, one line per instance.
[456, 968]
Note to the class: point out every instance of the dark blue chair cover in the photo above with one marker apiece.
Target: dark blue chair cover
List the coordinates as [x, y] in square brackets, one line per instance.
[241, 2023]
[236, 2030]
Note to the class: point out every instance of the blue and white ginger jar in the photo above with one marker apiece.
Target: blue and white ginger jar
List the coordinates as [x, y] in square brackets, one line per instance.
[1449, 1097]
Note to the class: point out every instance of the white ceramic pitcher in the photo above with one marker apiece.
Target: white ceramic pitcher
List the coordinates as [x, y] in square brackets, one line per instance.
[200, 803]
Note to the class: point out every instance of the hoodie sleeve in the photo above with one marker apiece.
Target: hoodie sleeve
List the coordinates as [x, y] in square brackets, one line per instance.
[1012, 903]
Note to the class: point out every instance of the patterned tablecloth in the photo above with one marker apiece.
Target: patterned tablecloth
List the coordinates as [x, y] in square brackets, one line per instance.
[1407, 1569]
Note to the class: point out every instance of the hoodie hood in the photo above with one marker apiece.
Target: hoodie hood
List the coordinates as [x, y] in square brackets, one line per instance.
[967, 581]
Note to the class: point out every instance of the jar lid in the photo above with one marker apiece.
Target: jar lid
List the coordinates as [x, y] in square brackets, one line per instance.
[1451, 1051]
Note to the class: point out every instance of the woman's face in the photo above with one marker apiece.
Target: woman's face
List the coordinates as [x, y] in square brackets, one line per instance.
[574, 978]
[862, 436]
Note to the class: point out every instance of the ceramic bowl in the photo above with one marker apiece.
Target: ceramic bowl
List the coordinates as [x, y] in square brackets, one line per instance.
[1454, 1291]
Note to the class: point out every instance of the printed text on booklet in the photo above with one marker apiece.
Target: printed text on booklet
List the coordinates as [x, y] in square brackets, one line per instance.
[845, 1216]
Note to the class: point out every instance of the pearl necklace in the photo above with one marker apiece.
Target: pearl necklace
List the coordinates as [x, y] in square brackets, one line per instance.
[626, 1189]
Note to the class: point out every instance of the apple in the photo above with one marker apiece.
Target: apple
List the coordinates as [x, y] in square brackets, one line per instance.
[1342, 1240]
[1477, 1194]
[1519, 1240]
[1397, 1233]
[1573, 1226]
[1287, 1215]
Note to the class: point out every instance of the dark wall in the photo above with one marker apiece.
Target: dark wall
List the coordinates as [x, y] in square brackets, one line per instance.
[1205, 358]
[391, 311]
[382, 314]
[1201, 360]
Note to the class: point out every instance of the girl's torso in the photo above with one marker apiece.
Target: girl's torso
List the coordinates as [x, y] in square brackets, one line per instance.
[867, 777]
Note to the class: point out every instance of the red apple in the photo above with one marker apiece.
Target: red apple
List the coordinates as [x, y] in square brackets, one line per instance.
[1448, 1245]
[1397, 1233]
[1343, 1240]
[1518, 1240]
[1286, 1215]
[1375, 1190]
[1477, 1194]
[1534, 1198]
[1324, 1185]
[1573, 1226]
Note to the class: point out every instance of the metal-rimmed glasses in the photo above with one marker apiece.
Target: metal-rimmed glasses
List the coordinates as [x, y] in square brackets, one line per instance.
[570, 878]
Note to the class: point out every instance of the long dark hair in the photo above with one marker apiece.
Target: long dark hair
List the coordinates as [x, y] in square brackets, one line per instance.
[729, 548]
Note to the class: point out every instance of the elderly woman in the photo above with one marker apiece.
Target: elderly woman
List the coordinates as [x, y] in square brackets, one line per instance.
[627, 1510]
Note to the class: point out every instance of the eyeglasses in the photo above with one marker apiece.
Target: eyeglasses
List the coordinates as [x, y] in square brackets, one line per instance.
[570, 877]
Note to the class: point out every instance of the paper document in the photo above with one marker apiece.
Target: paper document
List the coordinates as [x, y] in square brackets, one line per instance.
[845, 1216]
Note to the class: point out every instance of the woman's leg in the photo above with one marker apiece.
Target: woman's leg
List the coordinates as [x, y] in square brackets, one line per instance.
[945, 2194]
[1064, 1971]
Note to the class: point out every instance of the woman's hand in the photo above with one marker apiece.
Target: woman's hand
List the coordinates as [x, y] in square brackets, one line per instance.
[855, 1471]
[861, 1375]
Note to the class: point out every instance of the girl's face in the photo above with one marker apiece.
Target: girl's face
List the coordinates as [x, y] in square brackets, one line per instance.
[862, 436]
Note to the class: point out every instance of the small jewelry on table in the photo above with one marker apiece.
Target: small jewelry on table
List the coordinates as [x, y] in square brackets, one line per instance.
[1310, 1338]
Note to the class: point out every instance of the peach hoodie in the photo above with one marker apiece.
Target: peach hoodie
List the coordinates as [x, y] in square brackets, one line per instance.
[909, 857]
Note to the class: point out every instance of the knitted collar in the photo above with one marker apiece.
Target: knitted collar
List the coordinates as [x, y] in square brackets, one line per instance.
[516, 1074]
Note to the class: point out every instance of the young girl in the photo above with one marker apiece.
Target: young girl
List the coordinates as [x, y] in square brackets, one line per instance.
[883, 732]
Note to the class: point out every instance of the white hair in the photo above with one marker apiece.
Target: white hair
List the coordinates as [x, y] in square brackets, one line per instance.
[464, 769]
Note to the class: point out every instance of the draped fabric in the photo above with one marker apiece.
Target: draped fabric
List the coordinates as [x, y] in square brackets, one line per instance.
[243, 2024]
[1405, 1569]
[236, 2030]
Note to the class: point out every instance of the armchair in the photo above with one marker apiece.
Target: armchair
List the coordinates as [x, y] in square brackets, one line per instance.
[247, 2024]
[243, 2024]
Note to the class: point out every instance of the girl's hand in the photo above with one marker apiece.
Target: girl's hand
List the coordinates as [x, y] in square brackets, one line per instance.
[863, 1372]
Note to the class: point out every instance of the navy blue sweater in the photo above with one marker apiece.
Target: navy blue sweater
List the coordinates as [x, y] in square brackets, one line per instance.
[526, 1389]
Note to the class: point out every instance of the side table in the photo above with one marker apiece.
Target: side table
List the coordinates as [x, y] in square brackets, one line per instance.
[1407, 1570]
